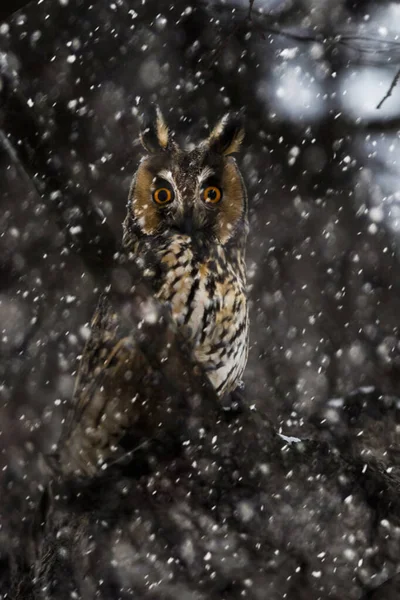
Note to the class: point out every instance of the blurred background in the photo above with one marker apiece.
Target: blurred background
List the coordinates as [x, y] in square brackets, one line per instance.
[320, 161]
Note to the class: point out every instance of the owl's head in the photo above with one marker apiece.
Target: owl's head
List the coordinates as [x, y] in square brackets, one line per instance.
[198, 192]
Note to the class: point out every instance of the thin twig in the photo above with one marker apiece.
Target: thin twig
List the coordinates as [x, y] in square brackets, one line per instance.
[125, 457]
[395, 81]
[23, 137]
[251, 2]
[218, 51]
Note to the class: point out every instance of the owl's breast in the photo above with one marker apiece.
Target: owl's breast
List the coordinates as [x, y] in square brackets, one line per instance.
[207, 299]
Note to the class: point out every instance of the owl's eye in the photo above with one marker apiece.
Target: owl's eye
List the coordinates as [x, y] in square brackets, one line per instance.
[163, 195]
[212, 194]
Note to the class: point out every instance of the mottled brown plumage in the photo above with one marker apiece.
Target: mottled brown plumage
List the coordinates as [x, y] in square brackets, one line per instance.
[186, 228]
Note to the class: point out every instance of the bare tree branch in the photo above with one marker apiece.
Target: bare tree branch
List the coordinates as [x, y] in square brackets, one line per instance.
[85, 229]
[8, 7]
[395, 81]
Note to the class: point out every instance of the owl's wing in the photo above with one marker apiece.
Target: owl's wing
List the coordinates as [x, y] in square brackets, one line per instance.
[91, 362]
[102, 407]
[95, 356]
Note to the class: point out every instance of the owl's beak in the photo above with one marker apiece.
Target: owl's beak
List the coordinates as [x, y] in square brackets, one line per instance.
[187, 224]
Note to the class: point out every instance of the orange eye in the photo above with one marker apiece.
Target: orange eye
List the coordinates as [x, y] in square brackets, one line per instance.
[212, 194]
[163, 195]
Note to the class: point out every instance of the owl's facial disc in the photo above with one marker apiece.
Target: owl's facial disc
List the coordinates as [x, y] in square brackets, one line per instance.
[199, 195]
[198, 192]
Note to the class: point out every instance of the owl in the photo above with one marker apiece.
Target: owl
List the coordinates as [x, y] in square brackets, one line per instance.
[186, 229]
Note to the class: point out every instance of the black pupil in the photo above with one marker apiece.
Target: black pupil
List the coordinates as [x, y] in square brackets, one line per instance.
[162, 195]
[212, 194]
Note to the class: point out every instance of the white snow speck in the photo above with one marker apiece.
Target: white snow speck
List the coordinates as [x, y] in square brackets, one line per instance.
[376, 214]
[14, 232]
[289, 53]
[367, 389]
[246, 511]
[289, 439]
[149, 312]
[84, 332]
[75, 230]
[350, 554]
[336, 402]
[316, 574]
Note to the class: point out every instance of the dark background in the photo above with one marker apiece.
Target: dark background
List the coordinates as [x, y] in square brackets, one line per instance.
[319, 160]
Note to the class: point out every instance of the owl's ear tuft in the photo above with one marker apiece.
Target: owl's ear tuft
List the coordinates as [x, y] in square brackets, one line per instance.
[154, 132]
[227, 135]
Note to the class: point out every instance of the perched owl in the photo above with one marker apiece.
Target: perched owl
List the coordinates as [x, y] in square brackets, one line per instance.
[186, 228]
